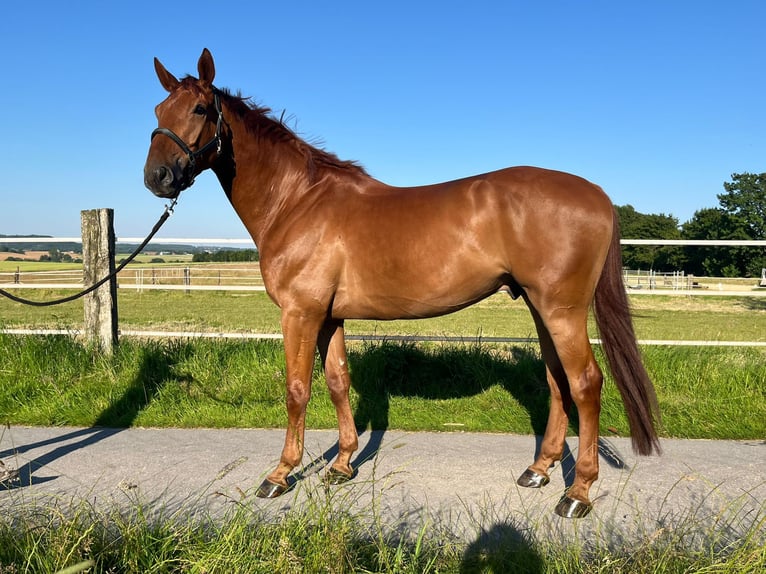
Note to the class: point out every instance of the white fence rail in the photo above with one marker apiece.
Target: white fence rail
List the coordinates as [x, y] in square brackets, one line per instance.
[698, 242]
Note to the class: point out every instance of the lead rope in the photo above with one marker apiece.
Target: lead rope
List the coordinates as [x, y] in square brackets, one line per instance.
[168, 212]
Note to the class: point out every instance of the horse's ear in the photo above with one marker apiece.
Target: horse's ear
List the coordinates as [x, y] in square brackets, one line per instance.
[206, 68]
[168, 80]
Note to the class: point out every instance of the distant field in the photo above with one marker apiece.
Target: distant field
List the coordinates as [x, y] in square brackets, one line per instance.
[167, 269]
[169, 259]
[29, 265]
[31, 261]
[28, 255]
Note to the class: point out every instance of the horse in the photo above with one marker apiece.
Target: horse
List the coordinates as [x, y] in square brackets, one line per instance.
[337, 244]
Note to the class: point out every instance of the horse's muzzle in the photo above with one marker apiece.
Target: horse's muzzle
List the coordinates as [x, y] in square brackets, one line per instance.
[165, 181]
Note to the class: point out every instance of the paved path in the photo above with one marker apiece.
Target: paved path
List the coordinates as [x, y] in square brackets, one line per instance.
[463, 481]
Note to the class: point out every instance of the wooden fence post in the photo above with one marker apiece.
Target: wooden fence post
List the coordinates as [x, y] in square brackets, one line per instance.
[97, 262]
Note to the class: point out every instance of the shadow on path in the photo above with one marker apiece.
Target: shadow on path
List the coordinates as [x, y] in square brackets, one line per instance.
[155, 370]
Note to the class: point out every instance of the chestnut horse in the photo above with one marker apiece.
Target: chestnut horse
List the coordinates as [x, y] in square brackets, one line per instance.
[337, 244]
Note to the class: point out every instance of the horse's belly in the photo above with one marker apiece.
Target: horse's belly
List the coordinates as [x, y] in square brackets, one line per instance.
[385, 308]
[414, 300]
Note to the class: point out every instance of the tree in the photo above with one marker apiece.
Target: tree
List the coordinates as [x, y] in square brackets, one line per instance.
[636, 225]
[741, 215]
[716, 223]
[226, 256]
[54, 255]
[745, 198]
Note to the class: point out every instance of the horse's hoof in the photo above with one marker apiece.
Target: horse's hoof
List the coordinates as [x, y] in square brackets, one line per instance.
[7, 474]
[571, 508]
[270, 489]
[530, 479]
[334, 477]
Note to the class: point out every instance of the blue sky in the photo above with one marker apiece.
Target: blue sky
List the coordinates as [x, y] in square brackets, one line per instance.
[659, 102]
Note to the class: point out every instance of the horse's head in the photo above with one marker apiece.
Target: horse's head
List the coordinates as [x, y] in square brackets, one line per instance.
[188, 138]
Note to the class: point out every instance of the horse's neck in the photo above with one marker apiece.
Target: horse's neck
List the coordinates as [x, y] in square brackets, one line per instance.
[260, 179]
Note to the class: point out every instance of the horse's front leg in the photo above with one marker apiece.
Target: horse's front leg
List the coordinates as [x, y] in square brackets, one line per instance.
[300, 341]
[332, 349]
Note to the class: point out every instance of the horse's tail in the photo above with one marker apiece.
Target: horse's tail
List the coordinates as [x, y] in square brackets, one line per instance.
[618, 339]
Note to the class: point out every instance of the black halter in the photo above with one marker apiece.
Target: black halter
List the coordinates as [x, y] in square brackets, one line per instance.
[193, 155]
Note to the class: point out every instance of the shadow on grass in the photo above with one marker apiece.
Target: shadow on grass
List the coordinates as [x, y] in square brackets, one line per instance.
[755, 303]
[504, 548]
[155, 370]
[383, 370]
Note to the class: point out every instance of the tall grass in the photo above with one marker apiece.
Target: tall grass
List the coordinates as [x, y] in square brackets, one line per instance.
[320, 535]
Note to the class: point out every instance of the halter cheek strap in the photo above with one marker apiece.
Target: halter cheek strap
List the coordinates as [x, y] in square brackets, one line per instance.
[193, 155]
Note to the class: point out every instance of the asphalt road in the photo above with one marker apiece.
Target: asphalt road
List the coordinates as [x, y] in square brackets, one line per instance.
[464, 482]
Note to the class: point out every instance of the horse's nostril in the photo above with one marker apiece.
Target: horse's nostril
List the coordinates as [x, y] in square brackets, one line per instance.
[160, 180]
[163, 175]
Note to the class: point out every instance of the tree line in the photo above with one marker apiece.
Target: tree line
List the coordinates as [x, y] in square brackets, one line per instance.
[226, 256]
[741, 214]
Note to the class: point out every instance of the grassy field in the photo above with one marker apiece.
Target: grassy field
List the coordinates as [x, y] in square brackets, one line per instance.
[142, 258]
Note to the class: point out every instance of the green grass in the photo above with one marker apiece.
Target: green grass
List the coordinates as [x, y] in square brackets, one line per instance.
[704, 392]
[24, 266]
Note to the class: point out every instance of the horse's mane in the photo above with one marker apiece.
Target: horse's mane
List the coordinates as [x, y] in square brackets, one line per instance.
[259, 120]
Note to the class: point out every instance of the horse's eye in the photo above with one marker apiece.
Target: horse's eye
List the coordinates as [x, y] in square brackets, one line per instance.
[200, 110]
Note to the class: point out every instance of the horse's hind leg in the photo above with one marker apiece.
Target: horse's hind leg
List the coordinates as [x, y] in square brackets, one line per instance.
[332, 350]
[573, 377]
[552, 445]
[585, 382]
